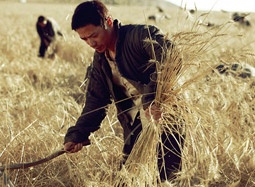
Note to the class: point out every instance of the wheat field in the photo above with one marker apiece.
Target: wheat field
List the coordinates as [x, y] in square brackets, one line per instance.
[41, 98]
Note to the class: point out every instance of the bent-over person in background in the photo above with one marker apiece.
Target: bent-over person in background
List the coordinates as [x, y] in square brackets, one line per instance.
[47, 29]
[121, 72]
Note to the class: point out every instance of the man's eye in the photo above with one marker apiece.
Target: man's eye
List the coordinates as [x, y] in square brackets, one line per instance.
[94, 36]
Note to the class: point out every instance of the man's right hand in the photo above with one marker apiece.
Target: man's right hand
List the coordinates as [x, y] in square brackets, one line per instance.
[72, 147]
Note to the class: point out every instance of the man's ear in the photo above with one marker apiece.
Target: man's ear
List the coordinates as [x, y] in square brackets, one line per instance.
[109, 21]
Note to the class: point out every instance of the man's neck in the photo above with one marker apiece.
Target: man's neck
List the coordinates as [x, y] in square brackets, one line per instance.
[112, 46]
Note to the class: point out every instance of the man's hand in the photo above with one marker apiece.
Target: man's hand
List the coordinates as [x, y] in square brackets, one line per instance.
[153, 112]
[72, 147]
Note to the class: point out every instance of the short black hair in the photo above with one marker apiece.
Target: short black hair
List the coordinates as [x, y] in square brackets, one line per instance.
[89, 12]
[40, 19]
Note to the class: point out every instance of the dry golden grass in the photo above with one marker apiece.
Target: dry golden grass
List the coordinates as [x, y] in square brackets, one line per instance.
[40, 99]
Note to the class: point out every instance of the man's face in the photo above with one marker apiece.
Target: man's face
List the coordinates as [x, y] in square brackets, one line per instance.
[96, 37]
[43, 23]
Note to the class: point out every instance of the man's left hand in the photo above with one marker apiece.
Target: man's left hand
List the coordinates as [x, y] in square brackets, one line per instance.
[153, 112]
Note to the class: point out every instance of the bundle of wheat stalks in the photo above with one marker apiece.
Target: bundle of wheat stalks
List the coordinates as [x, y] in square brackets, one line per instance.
[141, 168]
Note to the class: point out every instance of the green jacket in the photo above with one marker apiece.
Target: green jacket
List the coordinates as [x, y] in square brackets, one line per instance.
[133, 55]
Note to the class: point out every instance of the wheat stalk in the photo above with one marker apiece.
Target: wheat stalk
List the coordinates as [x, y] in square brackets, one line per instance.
[141, 164]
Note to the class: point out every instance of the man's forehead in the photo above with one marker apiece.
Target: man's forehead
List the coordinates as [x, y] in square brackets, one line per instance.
[87, 30]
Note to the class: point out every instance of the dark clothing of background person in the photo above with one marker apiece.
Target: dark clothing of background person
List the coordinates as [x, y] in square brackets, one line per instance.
[47, 33]
[139, 71]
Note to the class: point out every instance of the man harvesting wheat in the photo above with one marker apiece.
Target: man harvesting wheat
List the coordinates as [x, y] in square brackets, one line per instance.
[48, 30]
[123, 71]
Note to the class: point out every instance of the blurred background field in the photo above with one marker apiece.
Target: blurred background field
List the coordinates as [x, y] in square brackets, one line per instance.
[41, 98]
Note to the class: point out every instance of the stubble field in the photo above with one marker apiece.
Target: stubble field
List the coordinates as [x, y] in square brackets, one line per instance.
[41, 98]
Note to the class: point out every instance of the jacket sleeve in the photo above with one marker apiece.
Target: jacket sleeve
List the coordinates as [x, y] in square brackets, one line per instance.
[94, 111]
[155, 45]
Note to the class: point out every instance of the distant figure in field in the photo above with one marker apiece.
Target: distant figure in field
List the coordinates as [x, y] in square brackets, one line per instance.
[48, 29]
[160, 15]
[240, 18]
[238, 69]
[192, 11]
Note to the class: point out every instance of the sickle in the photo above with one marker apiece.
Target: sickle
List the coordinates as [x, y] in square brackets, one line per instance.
[30, 164]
